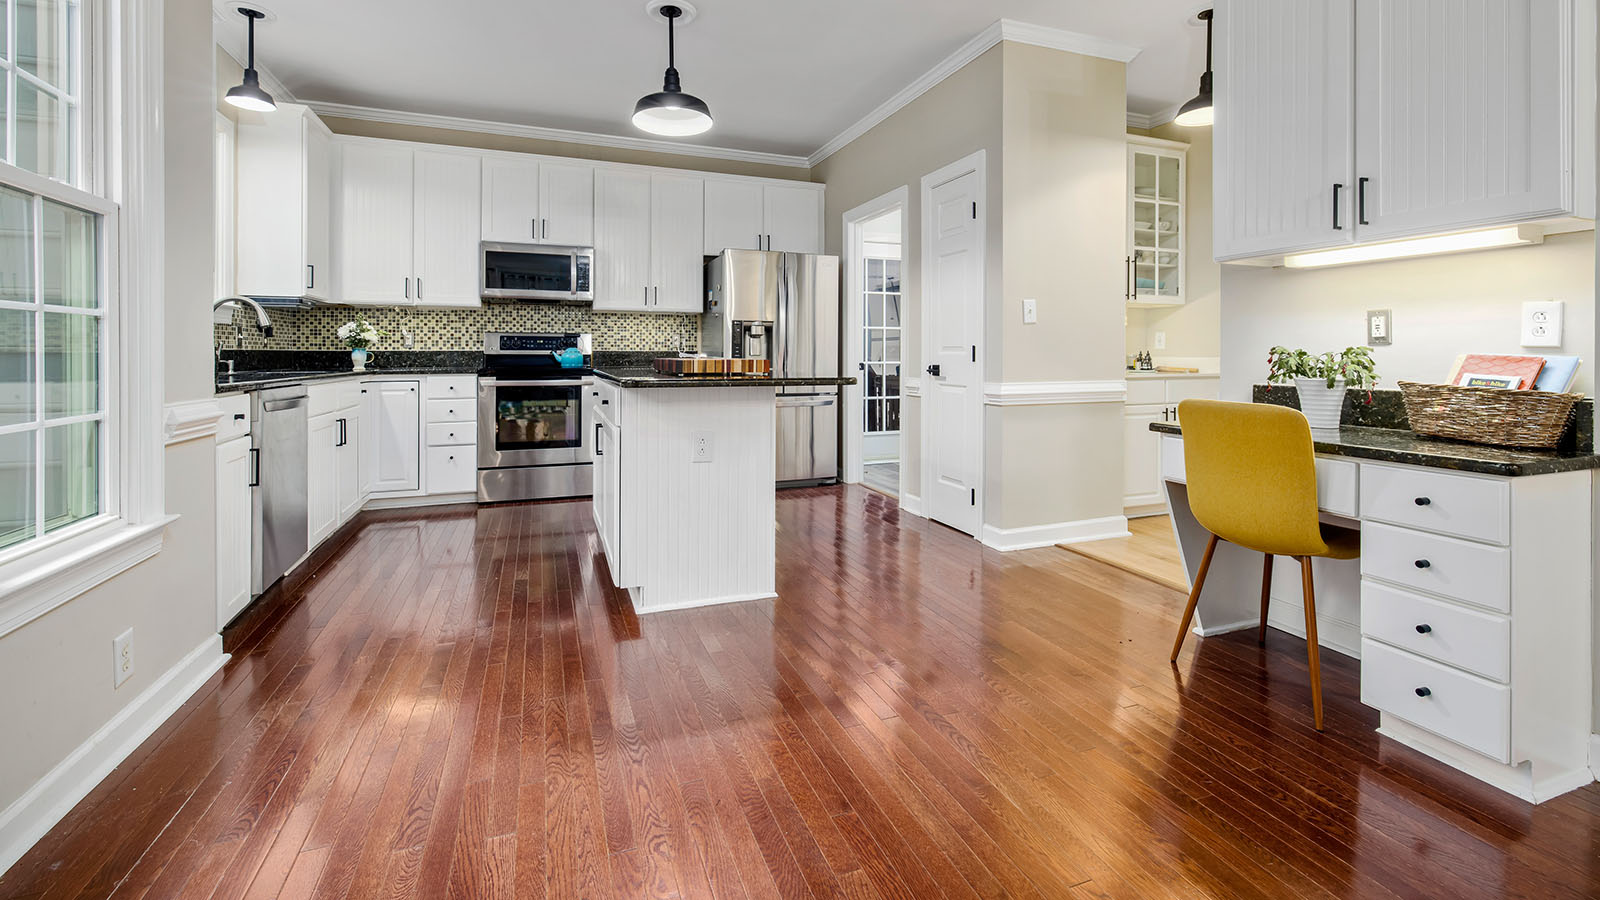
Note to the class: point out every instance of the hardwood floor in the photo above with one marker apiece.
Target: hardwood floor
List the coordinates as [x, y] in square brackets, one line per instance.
[457, 704]
[1150, 550]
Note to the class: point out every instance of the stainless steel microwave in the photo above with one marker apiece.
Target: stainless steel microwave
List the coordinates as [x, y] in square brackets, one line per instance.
[535, 272]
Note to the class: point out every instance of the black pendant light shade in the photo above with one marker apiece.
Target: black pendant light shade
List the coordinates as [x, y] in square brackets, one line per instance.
[248, 94]
[670, 111]
[1198, 112]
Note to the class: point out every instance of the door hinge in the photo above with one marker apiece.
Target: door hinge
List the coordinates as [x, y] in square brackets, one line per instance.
[974, 496]
[974, 210]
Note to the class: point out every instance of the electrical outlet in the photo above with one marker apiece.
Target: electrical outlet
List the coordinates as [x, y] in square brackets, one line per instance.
[1030, 311]
[1541, 323]
[1379, 322]
[700, 447]
[1161, 340]
[122, 657]
[407, 339]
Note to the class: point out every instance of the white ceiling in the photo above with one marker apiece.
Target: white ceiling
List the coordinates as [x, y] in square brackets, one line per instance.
[779, 77]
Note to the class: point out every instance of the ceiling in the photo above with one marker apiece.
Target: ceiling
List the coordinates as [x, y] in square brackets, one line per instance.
[780, 78]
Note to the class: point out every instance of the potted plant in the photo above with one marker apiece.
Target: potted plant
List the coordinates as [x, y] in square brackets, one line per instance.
[1321, 380]
[360, 336]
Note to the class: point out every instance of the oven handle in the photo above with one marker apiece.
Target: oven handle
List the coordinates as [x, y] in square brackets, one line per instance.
[541, 382]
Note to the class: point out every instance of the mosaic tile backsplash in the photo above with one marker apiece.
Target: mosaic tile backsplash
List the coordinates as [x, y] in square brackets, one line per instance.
[460, 329]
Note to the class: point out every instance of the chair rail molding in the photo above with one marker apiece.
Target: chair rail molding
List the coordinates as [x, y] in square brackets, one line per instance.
[191, 419]
[1053, 393]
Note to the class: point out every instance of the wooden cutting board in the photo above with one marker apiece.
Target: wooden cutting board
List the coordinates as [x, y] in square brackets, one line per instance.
[713, 365]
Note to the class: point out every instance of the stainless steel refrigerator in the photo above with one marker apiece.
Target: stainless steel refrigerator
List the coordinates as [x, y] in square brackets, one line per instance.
[783, 307]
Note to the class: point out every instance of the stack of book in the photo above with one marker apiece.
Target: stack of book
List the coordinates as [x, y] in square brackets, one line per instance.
[1516, 373]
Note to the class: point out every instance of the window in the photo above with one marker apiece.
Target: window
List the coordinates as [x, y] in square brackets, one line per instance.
[39, 53]
[881, 346]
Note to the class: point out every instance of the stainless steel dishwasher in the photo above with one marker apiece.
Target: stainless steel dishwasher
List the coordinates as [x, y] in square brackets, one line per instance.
[278, 445]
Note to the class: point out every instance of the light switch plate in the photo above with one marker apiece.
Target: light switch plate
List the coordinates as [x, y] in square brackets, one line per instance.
[1541, 323]
[1030, 311]
[1380, 324]
[1161, 340]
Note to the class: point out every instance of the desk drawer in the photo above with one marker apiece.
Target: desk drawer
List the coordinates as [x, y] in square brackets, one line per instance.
[1455, 569]
[463, 410]
[1466, 709]
[1450, 633]
[1338, 486]
[1475, 508]
[449, 434]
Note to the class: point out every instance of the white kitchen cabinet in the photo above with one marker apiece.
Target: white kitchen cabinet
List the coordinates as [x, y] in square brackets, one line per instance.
[1158, 223]
[347, 449]
[566, 204]
[450, 426]
[746, 215]
[284, 195]
[677, 266]
[448, 193]
[1149, 400]
[322, 477]
[394, 436]
[376, 234]
[793, 218]
[538, 202]
[622, 229]
[235, 472]
[607, 493]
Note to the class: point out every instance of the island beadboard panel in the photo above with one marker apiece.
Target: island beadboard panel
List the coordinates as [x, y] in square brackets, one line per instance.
[460, 329]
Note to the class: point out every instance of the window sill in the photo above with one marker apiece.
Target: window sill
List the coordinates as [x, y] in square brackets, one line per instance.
[37, 583]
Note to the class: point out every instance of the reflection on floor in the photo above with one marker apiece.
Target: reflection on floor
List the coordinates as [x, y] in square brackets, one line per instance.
[1152, 552]
[883, 477]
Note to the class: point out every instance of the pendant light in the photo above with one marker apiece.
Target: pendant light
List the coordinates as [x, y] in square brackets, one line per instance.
[1199, 111]
[671, 112]
[248, 94]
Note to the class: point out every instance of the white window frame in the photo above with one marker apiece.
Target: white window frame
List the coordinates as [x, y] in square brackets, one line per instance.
[883, 330]
[121, 161]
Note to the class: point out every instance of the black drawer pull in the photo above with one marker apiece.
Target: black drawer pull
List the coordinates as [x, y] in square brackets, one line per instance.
[1423, 564]
[1423, 501]
[1424, 628]
[1424, 692]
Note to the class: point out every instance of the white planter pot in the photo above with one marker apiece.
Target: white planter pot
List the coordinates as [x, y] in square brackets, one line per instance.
[358, 359]
[1322, 405]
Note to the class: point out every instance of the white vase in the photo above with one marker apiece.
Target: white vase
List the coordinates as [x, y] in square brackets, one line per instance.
[1323, 406]
[358, 359]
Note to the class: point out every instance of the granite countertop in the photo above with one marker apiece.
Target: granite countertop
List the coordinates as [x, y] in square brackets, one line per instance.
[259, 369]
[1397, 445]
[633, 376]
[1144, 374]
[254, 381]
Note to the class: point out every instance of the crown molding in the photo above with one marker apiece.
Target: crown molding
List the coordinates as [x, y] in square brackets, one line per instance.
[230, 36]
[484, 126]
[1000, 30]
[1140, 120]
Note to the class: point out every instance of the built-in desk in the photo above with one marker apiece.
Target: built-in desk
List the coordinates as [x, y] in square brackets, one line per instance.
[1469, 607]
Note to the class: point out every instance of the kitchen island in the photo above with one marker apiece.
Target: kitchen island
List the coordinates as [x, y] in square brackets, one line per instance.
[685, 484]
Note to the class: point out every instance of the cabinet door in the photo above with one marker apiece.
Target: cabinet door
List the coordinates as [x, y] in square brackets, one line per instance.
[1156, 224]
[396, 435]
[735, 217]
[349, 459]
[322, 477]
[622, 240]
[319, 210]
[1141, 467]
[566, 195]
[448, 192]
[375, 233]
[233, 528]
[510, 200]
[1464, 114]
[1283, 137]
[793, 219]
[677, 264]
[273, 190]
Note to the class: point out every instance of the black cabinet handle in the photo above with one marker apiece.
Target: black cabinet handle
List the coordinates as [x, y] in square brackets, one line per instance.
[255, 467]
[1423, 564]
[1423, 501]
[597, 450]
[1424, 692]
[1424, 628]
[311, 280]
[934, 370]
[1127, 278]
[1361, 201]
[1336, 189]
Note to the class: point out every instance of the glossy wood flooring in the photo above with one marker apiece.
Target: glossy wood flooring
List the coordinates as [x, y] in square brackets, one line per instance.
[457, 705]
[1150, 549]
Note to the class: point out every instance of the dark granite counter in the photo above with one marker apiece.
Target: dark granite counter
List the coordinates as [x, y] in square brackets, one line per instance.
[1405, 447]
[259, 369]
[632, 376]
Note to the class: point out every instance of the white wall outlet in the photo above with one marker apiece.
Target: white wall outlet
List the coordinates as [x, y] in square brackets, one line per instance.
[700, 447]
[407, 339]
[1030, 311]
[1161, 340]
[1379, 326]
[1541, 323]
[122, 657]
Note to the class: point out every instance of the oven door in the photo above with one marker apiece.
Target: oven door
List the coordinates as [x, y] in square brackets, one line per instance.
[531, 423]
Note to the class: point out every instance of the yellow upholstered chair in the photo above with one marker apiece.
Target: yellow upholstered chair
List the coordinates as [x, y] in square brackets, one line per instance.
[1252, 481]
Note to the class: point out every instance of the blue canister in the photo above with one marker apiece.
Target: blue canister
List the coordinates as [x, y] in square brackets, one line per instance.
[570, 358]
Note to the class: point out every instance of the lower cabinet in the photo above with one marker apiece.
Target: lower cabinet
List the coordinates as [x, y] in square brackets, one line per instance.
[607, 492]
[1152, 400]
[395, 438]
[333, 459]
[452, 470]
[452, 432]
[235, 472]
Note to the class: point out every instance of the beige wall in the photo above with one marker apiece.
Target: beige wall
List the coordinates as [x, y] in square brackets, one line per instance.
[1194, 329]
[1443, 306]
[57, 669]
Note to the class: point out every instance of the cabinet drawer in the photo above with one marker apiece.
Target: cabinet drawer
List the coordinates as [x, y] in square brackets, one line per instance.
[1466, 709]
[321, 398]
[1476, 508]
[348, 394]
[462, 410]
[1181, 389]
[1337, 486]
[1445, 566]
[235, 421]
[1146, 390]
[607, 400]
[1479, 642]
[452, 470]
[451, 387]
[450, 434]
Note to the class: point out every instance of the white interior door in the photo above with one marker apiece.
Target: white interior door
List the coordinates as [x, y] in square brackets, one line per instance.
[953, 311]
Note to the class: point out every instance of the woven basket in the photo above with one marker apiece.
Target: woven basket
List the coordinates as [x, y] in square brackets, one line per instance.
[1491, 416]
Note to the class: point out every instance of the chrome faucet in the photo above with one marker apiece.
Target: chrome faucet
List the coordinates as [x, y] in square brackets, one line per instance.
[262, 322]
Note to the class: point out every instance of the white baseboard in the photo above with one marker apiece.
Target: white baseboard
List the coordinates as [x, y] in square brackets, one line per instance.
[1594, 756]
[1031, 536]
[1335, 634]
[642, 608]
[1518, 781]
[418, 500]
[33, 814]
[912, 504]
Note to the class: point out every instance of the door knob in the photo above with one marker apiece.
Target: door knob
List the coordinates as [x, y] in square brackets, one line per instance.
[934, 370]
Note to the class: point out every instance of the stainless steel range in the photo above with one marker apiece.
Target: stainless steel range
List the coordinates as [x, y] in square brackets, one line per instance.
[533, 435]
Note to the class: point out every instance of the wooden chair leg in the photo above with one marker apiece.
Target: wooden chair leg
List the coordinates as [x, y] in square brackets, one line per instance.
[1194, 596]
[1312, 657]
[1266, 597]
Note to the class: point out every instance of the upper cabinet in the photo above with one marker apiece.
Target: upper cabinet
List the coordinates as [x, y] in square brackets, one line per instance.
[746, 215]
[538, 202]
[1345, 121]
[408, 226]
[284, 192]
[1157, 222]
[447, 193]
[648, 241]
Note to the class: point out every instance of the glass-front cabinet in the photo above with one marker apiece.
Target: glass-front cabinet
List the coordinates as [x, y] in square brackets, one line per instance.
[1156, 222]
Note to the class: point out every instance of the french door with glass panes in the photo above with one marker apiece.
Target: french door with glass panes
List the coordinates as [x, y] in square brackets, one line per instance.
[880, 335]
[1156, 224]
